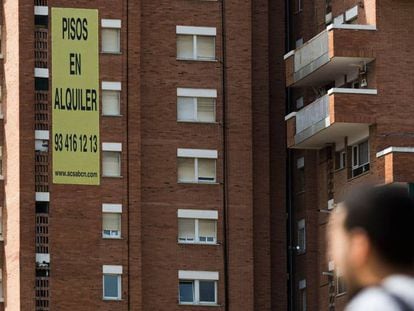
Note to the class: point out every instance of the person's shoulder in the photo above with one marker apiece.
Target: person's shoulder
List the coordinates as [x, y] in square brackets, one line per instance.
[372, 299]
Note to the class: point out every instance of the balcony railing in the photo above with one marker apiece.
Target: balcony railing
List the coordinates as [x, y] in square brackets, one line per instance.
[332, 53]
[312, 114]
[312, 54]
[331, 117]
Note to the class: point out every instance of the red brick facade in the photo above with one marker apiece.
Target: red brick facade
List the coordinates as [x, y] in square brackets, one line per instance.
[384, 116]
[249, 137]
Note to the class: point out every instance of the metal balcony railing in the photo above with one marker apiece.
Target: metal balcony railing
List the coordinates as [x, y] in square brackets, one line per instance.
[41, 110]
[40, 2]
[41, 171]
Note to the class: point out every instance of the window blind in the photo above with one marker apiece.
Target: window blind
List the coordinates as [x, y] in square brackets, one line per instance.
[186, 229]
[185, 48]
[110, 103]
[186, 171]
[206, 170]
[110, 40]
[206, 47]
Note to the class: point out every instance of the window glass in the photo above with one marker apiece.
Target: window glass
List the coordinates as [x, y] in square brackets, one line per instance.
[111, 163]
[111, 289]
[186, 291]
[185, 48]
[186, 172]
[303, 302]
[110, 103]
[185, 108]
[111, 224]
[186, 230]
[207, 230]
[206, 109]
[110, 40]
[206, 47]
[208, 291]
[206, 170]
[363, 153]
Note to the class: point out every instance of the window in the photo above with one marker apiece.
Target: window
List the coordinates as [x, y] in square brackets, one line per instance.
[197, 230]
[196, 43]
[111, 164]
[196, 170]
[301, 248]
[299, 42]
[111, 225]
[302, 295]
[360, 158]
[198, 291]
[1, 286]
[196, 109]
[300, 164]
[111, 98]
[340, 160]
[112, 280]
[111, 35]
[299, 102]
[340, 285]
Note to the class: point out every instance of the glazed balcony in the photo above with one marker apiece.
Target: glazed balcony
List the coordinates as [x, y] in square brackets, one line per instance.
[342, 112]
[332, 53]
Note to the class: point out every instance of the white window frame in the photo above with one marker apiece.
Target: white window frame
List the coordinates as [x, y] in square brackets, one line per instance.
[196, 277]
[112, 209]
[355, 158]
[197, 154]
[301, 249]
[195, 32]
[195, 94]
[112, 87]
[112, 271]
[303, 295]
[111, 24]
[342, 160]
[197, 232]
[115, 148]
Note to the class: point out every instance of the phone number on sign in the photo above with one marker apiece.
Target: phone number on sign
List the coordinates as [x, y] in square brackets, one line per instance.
[76, 143]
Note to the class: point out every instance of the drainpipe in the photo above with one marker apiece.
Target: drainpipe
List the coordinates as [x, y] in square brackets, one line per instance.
[225, 171]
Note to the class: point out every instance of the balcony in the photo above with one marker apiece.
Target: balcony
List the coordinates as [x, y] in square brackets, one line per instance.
[342, 112]
[396, 163]
[332, 53]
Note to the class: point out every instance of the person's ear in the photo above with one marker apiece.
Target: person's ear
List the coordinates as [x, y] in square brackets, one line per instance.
[359, 248]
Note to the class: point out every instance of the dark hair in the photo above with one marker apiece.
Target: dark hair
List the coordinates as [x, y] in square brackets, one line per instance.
[386, 214]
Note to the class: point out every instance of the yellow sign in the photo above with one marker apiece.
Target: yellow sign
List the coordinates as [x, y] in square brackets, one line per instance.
[75, 96]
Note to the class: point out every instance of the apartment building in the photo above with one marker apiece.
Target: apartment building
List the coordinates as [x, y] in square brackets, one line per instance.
[143, 155]
[349, 82]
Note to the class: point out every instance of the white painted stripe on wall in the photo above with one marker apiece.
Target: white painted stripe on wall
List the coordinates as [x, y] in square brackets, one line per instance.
[41, 10]
[41, 73]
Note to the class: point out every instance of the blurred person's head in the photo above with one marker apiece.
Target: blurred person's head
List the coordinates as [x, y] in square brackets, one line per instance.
[371, 235]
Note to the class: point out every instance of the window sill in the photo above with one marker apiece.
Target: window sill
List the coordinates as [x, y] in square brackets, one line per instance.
[109, 176]
[197, 183]
[111, 238]
[198, 60]
[112, 115]
[200, 304]
[339, 169]
[340, 295]
[111, 299]
[1, 177]
[360, 175]
[111, 53]
[198, 243]
[198, 122]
